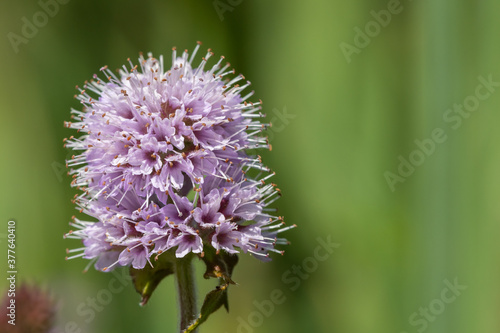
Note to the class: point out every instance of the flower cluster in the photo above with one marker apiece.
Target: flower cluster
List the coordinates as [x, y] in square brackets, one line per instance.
[163, 164]
[34, 310]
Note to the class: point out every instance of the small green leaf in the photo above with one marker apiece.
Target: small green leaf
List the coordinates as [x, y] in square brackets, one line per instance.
[219, 265]
[147, 279]
[213, 301]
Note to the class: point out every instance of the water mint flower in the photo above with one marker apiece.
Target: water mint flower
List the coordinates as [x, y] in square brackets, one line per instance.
[147, 127]
[162, 162]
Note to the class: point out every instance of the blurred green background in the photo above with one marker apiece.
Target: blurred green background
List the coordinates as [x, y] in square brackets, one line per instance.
[342, 120]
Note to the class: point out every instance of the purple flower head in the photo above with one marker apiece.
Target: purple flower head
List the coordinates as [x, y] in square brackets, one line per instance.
[162, 164]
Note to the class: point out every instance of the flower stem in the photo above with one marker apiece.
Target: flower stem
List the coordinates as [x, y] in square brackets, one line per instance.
[186, 291]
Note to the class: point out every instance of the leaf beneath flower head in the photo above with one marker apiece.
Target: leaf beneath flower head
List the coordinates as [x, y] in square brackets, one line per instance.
[213, 301]
[219, 265]
[147, 279]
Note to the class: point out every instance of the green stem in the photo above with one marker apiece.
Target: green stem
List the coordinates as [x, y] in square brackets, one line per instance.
[186, 292]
